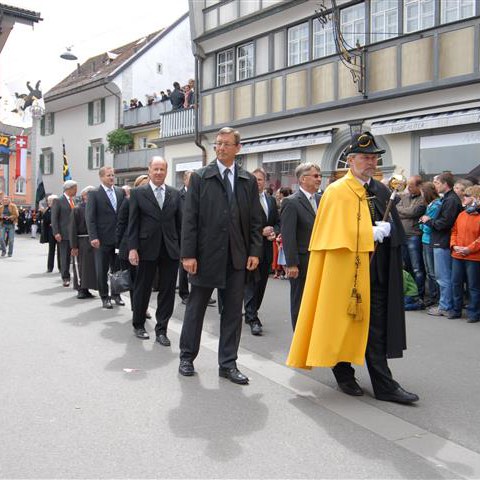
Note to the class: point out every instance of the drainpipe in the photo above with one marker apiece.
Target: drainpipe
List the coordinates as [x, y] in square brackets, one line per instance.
[119, 103]
[199, 56]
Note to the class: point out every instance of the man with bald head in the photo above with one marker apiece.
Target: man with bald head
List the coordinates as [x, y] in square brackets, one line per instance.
[154, 242]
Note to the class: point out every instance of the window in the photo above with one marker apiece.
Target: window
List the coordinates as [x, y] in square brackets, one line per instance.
[418, 15]
[96, 112]
[245, 61]
[384, 18]
[143, 142]
[352, 24]
[298, 44]
[453, 10]
[249, 7]
[225, 67]
[47, 124]
[323, 44]
[46, 161]
[96, 155]
[20, 186]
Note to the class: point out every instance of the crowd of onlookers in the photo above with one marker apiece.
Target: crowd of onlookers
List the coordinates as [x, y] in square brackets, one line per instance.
[179, 98]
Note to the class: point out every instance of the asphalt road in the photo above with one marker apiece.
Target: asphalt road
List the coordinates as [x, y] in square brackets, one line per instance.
[81, 397]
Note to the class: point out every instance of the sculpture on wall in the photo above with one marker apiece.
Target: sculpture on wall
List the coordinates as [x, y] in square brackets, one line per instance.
[24, 100]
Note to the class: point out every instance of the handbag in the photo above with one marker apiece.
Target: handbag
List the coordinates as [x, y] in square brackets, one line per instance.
[120, 282]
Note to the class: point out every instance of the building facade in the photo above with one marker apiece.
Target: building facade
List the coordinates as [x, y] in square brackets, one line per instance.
[272, 70]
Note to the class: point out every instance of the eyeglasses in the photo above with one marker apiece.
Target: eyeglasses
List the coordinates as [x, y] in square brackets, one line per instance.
[467, 195]
[223, 144]
[314, 175]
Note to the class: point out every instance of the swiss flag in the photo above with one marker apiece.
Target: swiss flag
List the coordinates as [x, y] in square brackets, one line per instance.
[21, 156]
[21, 142]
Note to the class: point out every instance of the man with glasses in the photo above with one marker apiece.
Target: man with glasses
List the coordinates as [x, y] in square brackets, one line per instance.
[352, 308]
[297, 218]
[221, 244]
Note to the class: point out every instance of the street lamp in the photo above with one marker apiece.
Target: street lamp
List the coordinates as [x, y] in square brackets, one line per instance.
[355, 127]
[68, 55]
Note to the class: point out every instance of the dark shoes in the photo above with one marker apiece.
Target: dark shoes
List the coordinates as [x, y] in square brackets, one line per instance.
[233, 374]
[141, 333]
[473, 320]
[83, 294]
[452, 315]
[118, 300]
[211, 302]
[256, 327]
[399, 395]
[351, 387]
[162, 339]
[106, 303]
[184, 300]
[186, 368]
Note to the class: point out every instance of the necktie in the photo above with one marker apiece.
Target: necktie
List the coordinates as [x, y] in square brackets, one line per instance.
[313, 203]
[159, 196]
[263, 202]
[227, 184]
[70, 201]
[371, 206]
[112, 197]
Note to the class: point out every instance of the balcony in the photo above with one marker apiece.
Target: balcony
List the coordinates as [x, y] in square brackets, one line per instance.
[147, 114]
[135, 159]
[179, 122]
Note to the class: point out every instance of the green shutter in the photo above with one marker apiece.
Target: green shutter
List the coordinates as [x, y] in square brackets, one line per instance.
[52, 162]
[42, 126]
[52, 123]
[90, 157]
[90, 113]
[102, 155]
[102, 110]
[42, 162]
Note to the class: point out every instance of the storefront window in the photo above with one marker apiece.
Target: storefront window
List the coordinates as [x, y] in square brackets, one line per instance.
[281, 174]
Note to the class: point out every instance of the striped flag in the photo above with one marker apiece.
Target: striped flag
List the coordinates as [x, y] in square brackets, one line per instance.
[66, 170]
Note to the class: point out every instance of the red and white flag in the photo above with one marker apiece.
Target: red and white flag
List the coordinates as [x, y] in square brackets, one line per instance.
[21, 144]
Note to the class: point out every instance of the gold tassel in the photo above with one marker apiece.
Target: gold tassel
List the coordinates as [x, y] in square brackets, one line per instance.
[359, 315]
[352, 304]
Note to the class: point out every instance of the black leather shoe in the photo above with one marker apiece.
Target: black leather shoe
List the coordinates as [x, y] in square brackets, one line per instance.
[256, 327]
[118, 300]
[82, 294]
[473, 320]
[351, 387]
[234, 375]
[89, 294]
[141, 333]
[106, 303]
[211, 302]
[186, 368]
[399, 395]
[162, 339]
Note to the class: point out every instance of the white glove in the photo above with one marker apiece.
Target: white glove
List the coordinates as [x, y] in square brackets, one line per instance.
[381, 230]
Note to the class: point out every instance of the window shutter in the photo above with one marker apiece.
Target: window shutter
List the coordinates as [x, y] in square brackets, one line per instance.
[42, 126]
[52, 163]
[102, 155]
[52, 123]
[90, 113]
[42, 163]
[102, 110]
[90, 157]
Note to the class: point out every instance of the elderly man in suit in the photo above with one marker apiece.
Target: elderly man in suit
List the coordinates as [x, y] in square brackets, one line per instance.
[221, 241]
[154, 227]
[61, 213]
[297, 218]
[255, 287]
[102, 216]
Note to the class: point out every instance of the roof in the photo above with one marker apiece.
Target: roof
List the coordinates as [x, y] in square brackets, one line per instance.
[20, 13]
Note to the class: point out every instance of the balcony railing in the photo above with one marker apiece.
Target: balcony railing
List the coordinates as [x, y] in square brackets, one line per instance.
[135, 158]
[178, 122]
[148, 114]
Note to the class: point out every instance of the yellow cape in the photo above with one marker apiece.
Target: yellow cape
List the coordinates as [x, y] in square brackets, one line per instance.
[325, 333]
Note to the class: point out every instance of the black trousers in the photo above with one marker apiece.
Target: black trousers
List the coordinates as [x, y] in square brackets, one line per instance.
[254, 292]
[65, 259]
[182, 282]
[167, 270]
[230, 319]
[296, 288]
[52, 247]
[105, 260]
[126, 265]
[375, 354]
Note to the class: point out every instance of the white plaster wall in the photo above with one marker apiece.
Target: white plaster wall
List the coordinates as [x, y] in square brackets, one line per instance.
[177, 152]
[401, 148]
[72, 126]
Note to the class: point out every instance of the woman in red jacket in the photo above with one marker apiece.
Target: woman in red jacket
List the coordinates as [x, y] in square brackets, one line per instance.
[465, 247]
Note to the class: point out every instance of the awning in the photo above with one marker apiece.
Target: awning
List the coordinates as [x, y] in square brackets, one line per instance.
[425, 122]
[273, 143]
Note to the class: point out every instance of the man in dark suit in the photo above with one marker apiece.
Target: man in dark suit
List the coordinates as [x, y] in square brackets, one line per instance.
[61, 212]
[255, 288]
[297, 218]
[221, 241]
[102, 216]
[154, 227]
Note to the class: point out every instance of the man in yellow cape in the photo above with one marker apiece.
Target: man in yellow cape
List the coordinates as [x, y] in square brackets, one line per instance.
[352, 305]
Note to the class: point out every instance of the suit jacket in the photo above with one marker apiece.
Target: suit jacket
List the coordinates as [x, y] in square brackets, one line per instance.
[205, 228]
[150, 227]
[297, 219]
[61, 213]
[273, 220]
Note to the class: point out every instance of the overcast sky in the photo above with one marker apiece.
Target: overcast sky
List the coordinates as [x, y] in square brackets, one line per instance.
[91, 26]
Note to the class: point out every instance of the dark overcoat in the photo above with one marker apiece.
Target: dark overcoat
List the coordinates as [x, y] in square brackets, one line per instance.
[395, 324]
[205, 224]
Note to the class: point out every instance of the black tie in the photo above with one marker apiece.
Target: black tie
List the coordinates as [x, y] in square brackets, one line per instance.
[227, 184]
[371, 206]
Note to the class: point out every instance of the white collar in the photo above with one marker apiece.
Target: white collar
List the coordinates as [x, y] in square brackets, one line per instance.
[307, 194]
[112, 188]
[222, 167]
[154, 187]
